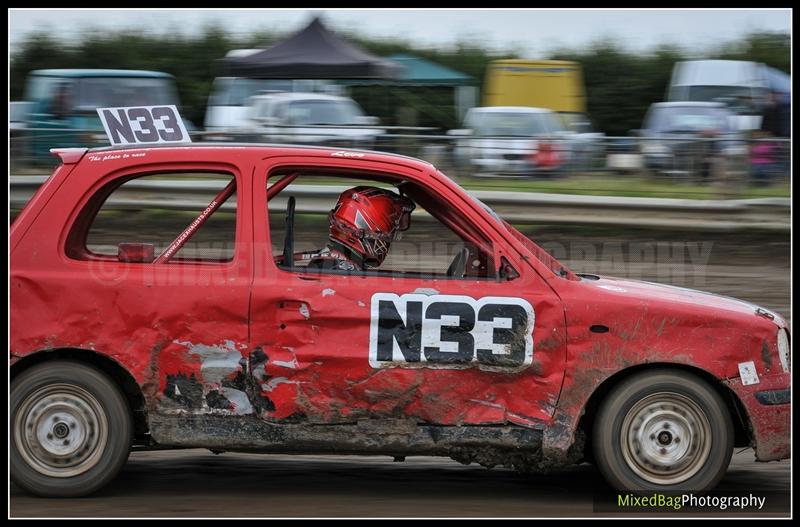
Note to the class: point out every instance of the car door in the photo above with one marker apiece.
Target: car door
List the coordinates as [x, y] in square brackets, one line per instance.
[338, 348]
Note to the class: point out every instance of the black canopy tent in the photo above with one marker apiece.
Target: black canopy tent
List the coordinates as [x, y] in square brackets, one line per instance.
[312, 53]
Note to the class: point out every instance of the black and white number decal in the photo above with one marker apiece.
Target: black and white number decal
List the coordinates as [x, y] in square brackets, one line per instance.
[449, 331]
[143, 125]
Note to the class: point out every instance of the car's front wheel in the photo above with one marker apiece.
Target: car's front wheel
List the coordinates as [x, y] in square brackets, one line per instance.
[663, 430]
[71, 429]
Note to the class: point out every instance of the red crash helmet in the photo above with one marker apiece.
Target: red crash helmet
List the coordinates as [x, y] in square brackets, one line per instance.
[366, 220]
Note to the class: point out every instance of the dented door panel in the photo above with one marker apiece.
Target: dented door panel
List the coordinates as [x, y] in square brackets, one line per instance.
[313, 335]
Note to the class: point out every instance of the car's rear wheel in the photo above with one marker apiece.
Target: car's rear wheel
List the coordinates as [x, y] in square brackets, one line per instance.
[71, 429]
[663, 430]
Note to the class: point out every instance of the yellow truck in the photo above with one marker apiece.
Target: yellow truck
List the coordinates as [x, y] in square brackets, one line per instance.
[553, 84]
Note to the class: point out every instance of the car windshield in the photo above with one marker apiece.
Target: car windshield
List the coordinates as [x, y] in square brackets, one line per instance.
[322, 112]
[511, 124]
[110, 92]
[738, 98]
[688, 119]
[543, 256]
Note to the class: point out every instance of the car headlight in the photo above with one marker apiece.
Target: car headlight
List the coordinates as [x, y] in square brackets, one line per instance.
[784, 352]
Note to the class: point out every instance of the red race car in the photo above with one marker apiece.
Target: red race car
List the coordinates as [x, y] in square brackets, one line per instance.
[262, 324]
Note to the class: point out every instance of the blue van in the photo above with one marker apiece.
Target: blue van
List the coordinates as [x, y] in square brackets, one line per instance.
[63, 103]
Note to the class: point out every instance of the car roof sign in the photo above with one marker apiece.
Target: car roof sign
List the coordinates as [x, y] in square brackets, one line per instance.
[143, 125]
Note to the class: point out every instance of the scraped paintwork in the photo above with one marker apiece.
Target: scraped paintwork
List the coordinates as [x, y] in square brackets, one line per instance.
[239, 401]
[218, 361]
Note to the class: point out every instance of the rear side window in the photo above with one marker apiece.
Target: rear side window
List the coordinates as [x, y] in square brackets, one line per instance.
[137, 221]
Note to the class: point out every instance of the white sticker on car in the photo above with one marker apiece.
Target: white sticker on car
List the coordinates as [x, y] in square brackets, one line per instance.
[148, 125]
[747, 371]
[450, 331]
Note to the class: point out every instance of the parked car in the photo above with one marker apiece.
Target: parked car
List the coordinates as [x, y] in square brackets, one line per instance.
[311, 118]
[586, 146]
[686, 138]
[64, 102]
[512, 141]
[126, 335]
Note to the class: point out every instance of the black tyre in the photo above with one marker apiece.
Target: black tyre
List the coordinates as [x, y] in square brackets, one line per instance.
[664, 430]
[71, 429]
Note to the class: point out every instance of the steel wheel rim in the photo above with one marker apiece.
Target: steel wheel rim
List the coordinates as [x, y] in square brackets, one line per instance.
[666, 438]
[61, 430]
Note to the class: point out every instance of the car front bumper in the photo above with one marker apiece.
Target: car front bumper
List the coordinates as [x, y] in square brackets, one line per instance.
[769, 410]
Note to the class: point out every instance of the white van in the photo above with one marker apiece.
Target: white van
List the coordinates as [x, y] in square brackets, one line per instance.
[743, 86]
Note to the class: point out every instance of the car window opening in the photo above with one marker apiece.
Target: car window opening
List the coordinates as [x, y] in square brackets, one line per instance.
[382, 225]
[140, 219]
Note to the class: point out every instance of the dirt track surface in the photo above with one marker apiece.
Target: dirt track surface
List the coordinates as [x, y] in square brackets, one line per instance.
[197, 483]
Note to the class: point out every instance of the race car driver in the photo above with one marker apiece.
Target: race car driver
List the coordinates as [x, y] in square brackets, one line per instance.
[363, 224]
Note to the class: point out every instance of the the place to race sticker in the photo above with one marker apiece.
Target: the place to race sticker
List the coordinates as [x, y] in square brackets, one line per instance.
[143, 125]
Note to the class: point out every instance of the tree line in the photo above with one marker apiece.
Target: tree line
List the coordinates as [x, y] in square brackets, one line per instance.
[620, 84]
